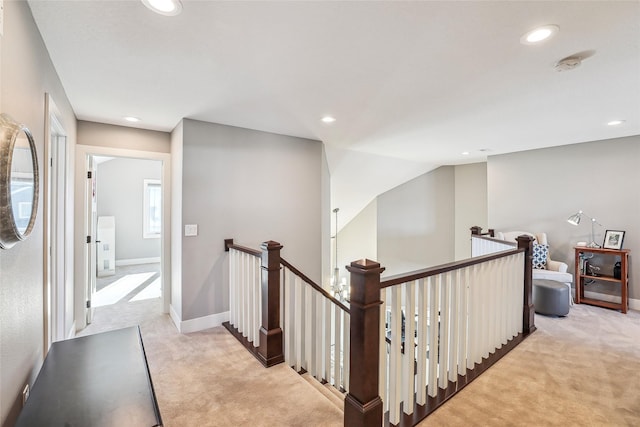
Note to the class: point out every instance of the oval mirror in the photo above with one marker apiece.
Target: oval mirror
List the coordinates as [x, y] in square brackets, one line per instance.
[18, 182]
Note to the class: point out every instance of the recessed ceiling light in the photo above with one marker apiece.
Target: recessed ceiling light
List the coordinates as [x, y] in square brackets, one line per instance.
[328, 119]
[539, 34]
[615, 122]
[164, 7]
[465, 153]
[132, 119]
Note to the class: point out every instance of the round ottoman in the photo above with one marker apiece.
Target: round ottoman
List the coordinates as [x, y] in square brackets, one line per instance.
[550, 297]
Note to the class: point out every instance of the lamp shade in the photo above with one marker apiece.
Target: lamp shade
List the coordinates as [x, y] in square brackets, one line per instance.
[575, 218]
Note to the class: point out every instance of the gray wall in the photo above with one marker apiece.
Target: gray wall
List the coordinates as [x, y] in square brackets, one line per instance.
[105, 135]
[411, 226]
[471, 205]
[358, 239]
[325, 218]
[250, 186]
[416, 222]
[26, 75]
[120, 191]
[538, 190]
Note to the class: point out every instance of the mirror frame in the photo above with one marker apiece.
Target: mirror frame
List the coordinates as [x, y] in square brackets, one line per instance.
[9, 131]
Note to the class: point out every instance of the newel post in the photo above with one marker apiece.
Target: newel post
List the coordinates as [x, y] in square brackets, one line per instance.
[476, 230]
[270, 351]
[528, 313]
[363, 406]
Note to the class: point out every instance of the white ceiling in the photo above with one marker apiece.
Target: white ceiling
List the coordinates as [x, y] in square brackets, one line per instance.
[411, 84]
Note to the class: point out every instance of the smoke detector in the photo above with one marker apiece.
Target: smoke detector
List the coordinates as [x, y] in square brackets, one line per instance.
[568, 63]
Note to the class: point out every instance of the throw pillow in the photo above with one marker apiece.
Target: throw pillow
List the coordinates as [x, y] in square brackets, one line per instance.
[540, 255]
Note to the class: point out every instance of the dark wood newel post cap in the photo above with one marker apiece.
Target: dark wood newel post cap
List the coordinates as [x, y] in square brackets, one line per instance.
[365, 266]
[475, 230]
[227, 243]
[524, 240]
[270, 245]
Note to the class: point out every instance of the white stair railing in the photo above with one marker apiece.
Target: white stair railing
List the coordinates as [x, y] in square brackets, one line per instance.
[315, 329]
[481, 245]
[441, 324]
[245, 295]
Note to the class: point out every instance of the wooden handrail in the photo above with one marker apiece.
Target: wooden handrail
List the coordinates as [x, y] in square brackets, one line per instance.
[228, 244]
[444, 268]
[314, 285]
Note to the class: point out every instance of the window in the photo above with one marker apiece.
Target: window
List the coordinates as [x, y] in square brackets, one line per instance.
[152, 209]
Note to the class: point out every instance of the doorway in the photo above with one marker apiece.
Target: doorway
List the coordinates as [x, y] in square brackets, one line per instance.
[126, 222]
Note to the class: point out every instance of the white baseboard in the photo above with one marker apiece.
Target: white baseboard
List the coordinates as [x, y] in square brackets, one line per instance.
[136, 261]
[634, 304]
[72, 331]
[198, 324]
[174, 316]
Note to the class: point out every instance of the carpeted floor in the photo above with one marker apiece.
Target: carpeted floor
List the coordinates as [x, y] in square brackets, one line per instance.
[582, 370]
[208, 379]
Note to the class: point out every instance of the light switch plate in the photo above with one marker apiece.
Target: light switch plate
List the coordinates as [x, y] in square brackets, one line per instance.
[191, 230]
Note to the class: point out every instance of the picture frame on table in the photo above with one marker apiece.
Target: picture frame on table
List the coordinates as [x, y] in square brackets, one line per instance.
[613, 239]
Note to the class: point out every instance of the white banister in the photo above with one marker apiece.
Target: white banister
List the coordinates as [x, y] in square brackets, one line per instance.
[315, 332]
[485, 246]
[452, 321]
[245, 294]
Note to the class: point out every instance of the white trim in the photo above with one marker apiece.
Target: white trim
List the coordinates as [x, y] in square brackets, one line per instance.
[81, 261]
[72, 331]
[174, 316]
[634, 304]
[146, 202]
[199, 323]
[135, 261]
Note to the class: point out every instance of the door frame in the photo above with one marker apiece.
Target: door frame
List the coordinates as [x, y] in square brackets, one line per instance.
[57, 245]
[81, 205]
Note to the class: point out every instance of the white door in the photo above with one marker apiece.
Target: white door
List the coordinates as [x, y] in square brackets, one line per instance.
[92, 218]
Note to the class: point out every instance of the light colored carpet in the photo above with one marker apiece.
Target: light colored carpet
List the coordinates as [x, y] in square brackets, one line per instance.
[207, 378]
[582, 370]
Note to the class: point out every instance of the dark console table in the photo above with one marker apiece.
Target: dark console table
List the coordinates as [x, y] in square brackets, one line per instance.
[99, 380]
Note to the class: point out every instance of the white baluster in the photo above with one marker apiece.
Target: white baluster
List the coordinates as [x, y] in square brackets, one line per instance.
[258, 292]
[346, 345]
[433, 284]
[408, 373]
[232, 285]
[384, 354]
[337, 348]
[308, 328]
[319, 337]
[395, 367]
[463, 330]
[452, 285]
[327, 340]
[444, 333]
[423, 319]
[299, 328]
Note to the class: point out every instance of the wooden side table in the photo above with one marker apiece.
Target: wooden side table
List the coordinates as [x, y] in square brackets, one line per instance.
[623, 281]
